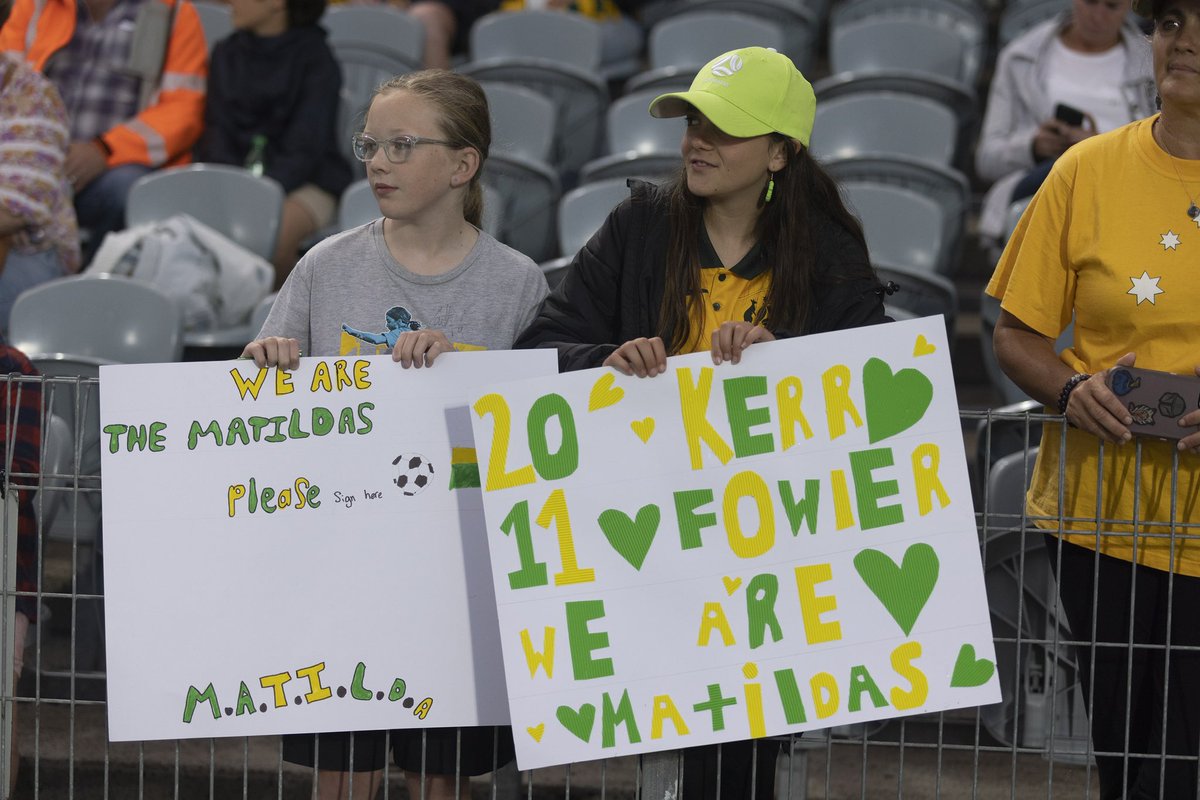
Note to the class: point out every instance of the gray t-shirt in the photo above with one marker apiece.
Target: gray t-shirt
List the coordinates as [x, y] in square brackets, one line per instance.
[348, 296]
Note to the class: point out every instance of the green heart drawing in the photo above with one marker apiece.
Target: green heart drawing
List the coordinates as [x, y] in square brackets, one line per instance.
[969, 670]
[631, 538]
[578, 722]
[903, 589]
[895, 401]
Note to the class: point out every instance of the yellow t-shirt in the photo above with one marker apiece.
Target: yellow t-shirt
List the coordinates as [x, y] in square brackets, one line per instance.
[731, 294]
[1108, 238]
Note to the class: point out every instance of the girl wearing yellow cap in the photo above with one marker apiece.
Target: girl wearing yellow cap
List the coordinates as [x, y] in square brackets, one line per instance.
[750, 243]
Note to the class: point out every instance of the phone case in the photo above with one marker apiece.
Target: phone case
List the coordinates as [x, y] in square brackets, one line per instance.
[1156, 400]
[1068, 115]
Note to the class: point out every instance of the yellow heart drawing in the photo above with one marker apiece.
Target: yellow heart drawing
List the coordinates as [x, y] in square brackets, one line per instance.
[604, 394]
[731, 584]
[644, 428]
[923, 347]
[537, 730]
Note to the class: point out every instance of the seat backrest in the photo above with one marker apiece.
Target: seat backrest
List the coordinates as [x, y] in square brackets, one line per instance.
[215, 19]
[245, 208]
[923, 293]
[1020, 17]
[965, 21]
[583, 210]
[357, 206]
[631, 128]
[800, 24]
[1008, 480]
[566, 38]
[528, 193]
[103, 317]
[693, 38]
[886, 43]
[523, 121]
[381, 30]
[854, 125]
[901, 226]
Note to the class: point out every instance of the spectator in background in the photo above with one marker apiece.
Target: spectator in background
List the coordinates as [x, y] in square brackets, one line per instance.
[1089, 59]
[130, 109]
[37, 223]
[448, 25]
[272, 106]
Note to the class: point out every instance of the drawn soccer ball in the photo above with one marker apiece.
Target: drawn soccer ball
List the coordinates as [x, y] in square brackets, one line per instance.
[414, 473]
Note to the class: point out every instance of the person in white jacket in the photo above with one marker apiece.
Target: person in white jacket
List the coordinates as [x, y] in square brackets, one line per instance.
[1090, 59]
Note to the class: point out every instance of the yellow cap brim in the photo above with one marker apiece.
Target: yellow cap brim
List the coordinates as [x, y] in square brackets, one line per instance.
[720, 112]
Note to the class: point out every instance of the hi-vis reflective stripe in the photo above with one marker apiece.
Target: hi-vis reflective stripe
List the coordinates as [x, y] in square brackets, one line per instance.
[182, 80]
[31, 30]
[156, 146]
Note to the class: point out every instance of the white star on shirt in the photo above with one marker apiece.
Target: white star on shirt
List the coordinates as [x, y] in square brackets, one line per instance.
[1145, 288]
[1196, 219]
[1170, 240]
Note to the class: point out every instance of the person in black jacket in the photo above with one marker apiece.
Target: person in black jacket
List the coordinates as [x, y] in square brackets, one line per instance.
[751, 243]
[272, 106]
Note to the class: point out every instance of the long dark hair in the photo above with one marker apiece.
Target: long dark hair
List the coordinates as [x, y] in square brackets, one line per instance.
[785, 232]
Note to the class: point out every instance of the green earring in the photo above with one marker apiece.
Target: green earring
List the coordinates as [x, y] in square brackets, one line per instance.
[770, 189]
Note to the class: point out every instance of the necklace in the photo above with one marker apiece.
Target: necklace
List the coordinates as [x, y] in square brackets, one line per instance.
[1193, 210]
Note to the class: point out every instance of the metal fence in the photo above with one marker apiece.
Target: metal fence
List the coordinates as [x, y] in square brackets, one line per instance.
[1034, 743]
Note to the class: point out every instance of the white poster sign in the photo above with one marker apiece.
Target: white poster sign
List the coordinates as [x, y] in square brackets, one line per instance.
[294, 552]
[738, 551]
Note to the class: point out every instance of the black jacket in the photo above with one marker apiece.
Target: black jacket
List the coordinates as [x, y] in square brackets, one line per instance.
[613, 289]
[287, 88]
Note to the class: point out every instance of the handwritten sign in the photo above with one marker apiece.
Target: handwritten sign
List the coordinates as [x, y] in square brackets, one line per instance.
[294, 552]
[732, 552]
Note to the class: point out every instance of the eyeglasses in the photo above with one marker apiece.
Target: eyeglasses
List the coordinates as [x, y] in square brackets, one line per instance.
[397, 150]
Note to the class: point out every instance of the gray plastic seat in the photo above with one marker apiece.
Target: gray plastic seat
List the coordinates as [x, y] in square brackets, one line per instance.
[989, 315]
[528, 193]
[583, 210]
[357, 206]
[215, 19]
[902, 227]
[681, 44]
[800, 23]
[1020, 17]
[245, 208]
[921, 293]
[949, 93]
[887, 124]
[523, 121]
[946, 186]
[949, 37]
[565, 38]
[556, 55]
[639, 145]
[372, 43]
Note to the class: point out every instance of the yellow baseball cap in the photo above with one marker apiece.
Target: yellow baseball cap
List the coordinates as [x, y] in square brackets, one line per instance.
[747, 92]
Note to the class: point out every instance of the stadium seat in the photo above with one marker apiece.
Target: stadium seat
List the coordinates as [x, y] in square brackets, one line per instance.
[523, 121]
[902, 227]
[244, 207]
[682, 43]
[583, 210]
[922, 293]
[946, 186]
[800, 23]
[216, 20]
[854, 125]
[556, 55]
[372, 43]
[1021, 16]
[639, 145]
[943, 37]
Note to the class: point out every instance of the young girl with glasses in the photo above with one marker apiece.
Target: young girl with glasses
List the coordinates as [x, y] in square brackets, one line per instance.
[420, 281]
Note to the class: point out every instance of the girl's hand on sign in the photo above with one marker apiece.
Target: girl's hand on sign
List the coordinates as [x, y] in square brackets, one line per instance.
[274, 351]
[729, 340]
[642, 357]
[419, 348]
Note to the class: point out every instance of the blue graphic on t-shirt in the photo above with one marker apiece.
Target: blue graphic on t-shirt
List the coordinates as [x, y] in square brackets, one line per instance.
[399, 321]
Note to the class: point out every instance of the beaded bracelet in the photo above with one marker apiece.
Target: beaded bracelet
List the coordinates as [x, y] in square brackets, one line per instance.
[1070, 386]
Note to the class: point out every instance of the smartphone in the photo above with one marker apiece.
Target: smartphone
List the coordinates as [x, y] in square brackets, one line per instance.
[1068, 115]
[1156, 400]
